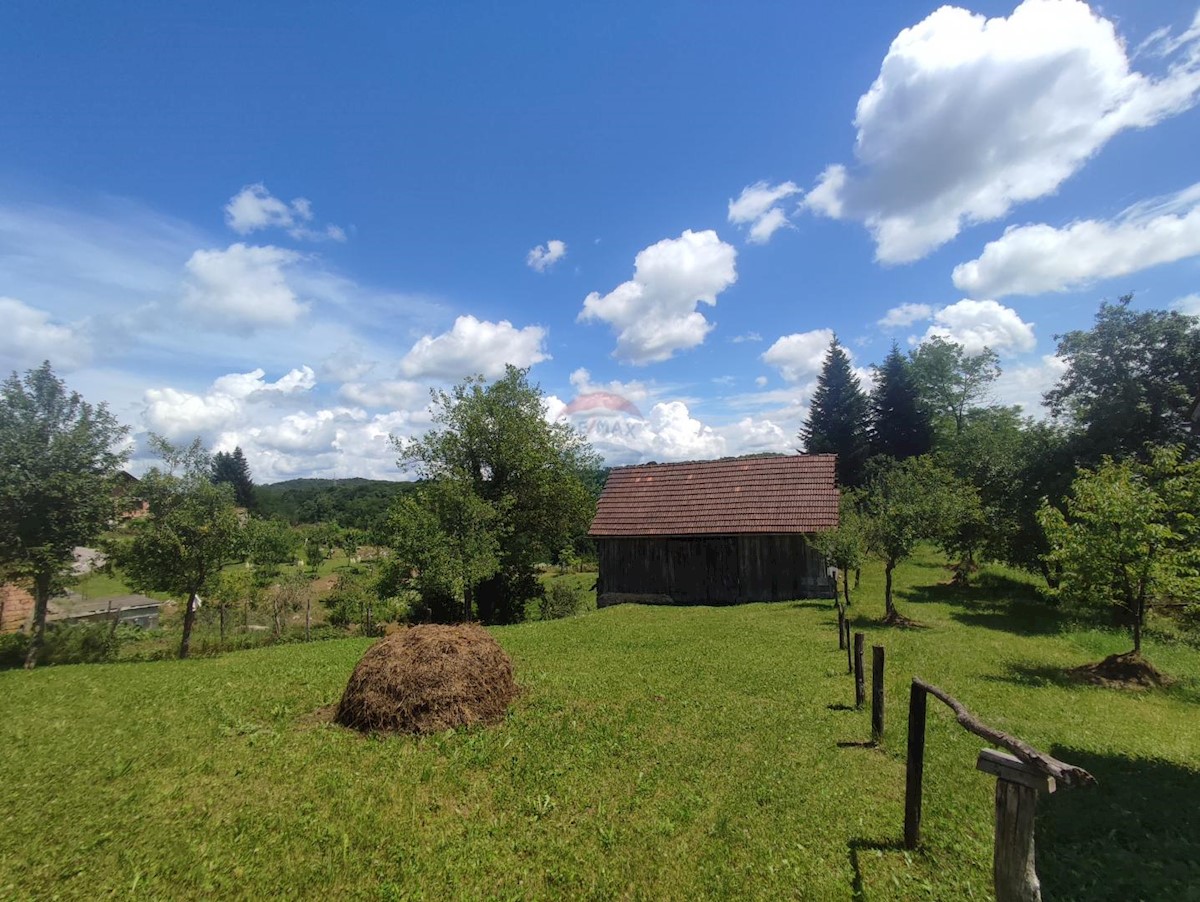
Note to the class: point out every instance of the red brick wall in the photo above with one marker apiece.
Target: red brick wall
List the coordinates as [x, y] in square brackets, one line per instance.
[16, 608]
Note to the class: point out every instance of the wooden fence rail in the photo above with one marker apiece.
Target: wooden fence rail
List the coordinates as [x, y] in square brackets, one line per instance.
[1020, 776]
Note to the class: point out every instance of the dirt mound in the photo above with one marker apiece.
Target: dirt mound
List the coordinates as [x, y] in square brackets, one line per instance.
[895, 618]
[429, 678]
[1128, 671]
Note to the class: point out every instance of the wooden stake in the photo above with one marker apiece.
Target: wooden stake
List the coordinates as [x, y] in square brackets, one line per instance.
[914, 766]
[841, 626]
[860, 692]
[877, 693]
[849, 650]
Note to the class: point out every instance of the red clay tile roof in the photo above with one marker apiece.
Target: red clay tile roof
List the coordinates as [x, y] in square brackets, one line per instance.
[794, 493]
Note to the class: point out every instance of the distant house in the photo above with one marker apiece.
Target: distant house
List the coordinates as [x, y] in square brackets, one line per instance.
[717, 531]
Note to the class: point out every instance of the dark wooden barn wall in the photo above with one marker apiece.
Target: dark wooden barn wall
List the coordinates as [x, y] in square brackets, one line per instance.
[714, 569]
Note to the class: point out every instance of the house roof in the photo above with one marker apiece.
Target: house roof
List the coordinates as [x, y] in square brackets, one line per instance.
[789, 494]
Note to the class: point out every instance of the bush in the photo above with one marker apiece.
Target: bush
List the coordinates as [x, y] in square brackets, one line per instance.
[80, 643]
[13, 647]
[560, 601]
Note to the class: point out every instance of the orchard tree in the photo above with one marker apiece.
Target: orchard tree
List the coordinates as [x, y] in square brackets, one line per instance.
[269, 544]
[232, 467]
[193, 529]
[905, 503]
[1130, 535]
[846, 546]
[447, 538]
[59, 457]
[900, 426]
[1130, 381]
[837, 418]
[493, 442]
[950, 382]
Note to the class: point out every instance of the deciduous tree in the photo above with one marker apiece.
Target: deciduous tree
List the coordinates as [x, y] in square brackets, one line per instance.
[59, 456]
[193, 530]
[951, 382]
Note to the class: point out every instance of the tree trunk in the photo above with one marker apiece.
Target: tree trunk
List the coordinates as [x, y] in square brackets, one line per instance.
[889, 607]
[846, 586]
[189, 620]
[41, 602]
[857, 576]
[1139, 615]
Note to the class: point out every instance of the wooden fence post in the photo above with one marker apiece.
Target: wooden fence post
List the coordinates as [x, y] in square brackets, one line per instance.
[877, 693]
[1017, 787]
[860, 690]
[914, 766]
[849, 650]
[841, 626]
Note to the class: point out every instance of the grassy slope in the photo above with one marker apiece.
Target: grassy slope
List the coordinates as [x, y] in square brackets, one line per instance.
[658, 753]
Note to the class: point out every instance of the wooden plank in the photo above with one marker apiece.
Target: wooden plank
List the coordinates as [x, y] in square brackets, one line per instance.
[1011, 768]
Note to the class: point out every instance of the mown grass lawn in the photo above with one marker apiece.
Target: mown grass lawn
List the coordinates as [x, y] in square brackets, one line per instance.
[656, 754]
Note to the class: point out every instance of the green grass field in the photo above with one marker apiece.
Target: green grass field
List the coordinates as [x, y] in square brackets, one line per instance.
[656, 754]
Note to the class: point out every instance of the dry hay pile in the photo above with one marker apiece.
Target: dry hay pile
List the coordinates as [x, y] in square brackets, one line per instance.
[1125, 671]
[427, 679]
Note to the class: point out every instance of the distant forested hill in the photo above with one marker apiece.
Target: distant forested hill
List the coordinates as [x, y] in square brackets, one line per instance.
[358, 503]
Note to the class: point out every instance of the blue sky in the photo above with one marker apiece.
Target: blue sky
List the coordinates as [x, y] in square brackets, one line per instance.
[279, 225]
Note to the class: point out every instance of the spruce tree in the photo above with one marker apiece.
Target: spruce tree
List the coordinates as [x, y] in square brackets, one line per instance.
[837, 418]
[900, 426]
[234, 469]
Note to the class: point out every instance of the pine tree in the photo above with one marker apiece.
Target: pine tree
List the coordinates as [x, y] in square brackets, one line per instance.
[234, 469]
[900, 425]
[837, 419]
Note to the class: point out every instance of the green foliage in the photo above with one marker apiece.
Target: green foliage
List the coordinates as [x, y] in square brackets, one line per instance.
[846, 546]
[560, 600]
[192, 531]
[1130, 535]
[951, 382]
[907, 502]
[269, 544]
[356, 600]
[1130, 381]
[838, 416]
[350, 503]
[234, 469]
[291, 594]
[13, 648]
[492, 449]
[59, 458]
[900, 425]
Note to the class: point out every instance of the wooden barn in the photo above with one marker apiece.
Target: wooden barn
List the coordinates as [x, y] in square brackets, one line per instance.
[716, 531]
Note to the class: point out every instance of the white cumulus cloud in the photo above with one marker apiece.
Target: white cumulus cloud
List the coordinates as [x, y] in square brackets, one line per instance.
[982, 324]
[905, 315]
[654, 314]
[542, 257]
[801, 355]
[1032, 259]
[243, 287]
[474, 346]
[1189, 304]
[181, 414]
[758, 207]
[30, 335]
[970, 116]
[254, 208]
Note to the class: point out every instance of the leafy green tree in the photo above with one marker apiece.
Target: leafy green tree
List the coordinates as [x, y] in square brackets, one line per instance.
[233, 468]
[59, 457]
[292, 592]
[192, 531]
[269, 544]
[907, 502]
[234, 590]
[846, 546]
[1130, 381]
[1130, 535]
[838, 417]
[448, 538]
[900, 424]
[950, 382]
[493, 442]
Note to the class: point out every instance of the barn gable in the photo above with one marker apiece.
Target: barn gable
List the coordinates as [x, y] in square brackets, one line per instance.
[716, 532]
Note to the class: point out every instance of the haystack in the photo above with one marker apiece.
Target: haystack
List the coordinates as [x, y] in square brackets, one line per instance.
[429, 678]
